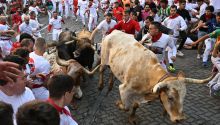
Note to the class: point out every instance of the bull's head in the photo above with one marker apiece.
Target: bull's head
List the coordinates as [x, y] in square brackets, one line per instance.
[172, 93]
[75, 70]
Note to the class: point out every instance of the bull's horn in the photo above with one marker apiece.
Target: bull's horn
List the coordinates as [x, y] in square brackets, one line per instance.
[61, 62]
[90, 72]
[198, 81]
[51, 44]
[159, 86]
[68, 42]
[75, 38]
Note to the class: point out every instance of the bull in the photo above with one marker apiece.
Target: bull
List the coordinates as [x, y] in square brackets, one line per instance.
[80, 48]
[142, 77]
[73, 53]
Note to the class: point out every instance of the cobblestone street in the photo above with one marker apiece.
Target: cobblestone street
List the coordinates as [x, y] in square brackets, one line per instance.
[97, 108]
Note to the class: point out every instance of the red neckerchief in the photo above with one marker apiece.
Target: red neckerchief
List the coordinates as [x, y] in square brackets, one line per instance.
[32, 17]
[156, 37]
[3, 23]
[58, 108]
[90, 5]
[207, 17]
[174, 16]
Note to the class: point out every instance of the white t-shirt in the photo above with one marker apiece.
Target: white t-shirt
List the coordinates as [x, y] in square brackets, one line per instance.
[56, 23]
[202, 9]
[4, 28]
[35, 9]
[92, 10]
[174, 24]
[163, 42]
[35, 26]
[24, 28]
[105, 27]
[39, 65]
[83, 5]
[17, 101]
[66, 119]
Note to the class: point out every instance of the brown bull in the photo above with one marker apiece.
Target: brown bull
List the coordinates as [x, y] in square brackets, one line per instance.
[76, 71]
[142, 77]
[74, 66]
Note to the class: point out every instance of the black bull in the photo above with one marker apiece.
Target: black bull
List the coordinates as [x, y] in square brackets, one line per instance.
[83, 48]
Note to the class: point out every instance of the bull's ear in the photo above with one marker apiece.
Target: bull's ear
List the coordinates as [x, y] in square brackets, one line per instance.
[181, 74]
[160, 87]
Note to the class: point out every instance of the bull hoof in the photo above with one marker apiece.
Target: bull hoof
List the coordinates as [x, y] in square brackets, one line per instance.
[120, 105]
[132, 120]
[100, 87]
[73, 105]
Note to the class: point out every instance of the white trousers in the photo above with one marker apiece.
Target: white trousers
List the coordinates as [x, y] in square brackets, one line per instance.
[216, 62]
[60, 7]
[170, 51]
[56, 33]
[92, 23]
[82, 16]
[68, 9]
[209, 43]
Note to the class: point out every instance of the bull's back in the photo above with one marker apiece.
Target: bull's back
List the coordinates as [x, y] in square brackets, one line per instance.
[128, 59]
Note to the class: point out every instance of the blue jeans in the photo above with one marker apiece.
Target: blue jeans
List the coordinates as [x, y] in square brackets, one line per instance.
[201, 34]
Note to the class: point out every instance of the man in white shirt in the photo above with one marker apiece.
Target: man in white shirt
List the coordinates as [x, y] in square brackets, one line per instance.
[57, 6]
[62, 89]
[104, 26]
[5, 37]
[93, 17]
[25, 27]
[202, 6]
[15, 92]
[55, 23]
[68, 8]
[34, 7]
[82, 5]
[39, 65]
[159, 42]
[35, 25]
[178, 25]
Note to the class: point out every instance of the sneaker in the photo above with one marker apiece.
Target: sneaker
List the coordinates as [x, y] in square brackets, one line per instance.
[199, 56]
[211, 91]
[204, 64]
[214, 92]
[76, 19]
[179, 53]
[171, 69]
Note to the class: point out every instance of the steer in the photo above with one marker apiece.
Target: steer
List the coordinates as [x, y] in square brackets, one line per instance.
[75, 70]
[80, 47]
[77, 50]
[142, 77]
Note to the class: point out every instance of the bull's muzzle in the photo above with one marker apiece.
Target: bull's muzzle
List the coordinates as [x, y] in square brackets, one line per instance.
[178, 119]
